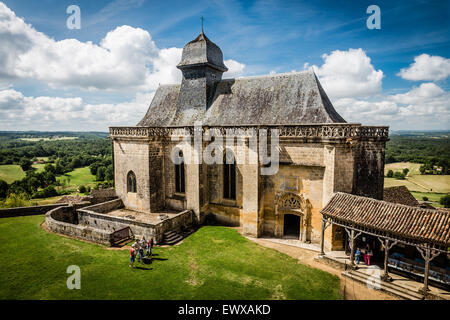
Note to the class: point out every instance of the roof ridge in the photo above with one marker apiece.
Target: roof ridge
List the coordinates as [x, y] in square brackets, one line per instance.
[269, 75]
[390, 203]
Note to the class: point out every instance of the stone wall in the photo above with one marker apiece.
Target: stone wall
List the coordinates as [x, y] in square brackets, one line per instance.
[57, 219]
[92, 224]
[368, 174]
[33, 210]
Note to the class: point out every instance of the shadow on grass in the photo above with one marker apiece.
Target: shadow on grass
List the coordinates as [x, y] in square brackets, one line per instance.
[142, 268]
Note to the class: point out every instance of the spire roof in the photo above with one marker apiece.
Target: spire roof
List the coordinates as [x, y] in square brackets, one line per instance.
[202, 51]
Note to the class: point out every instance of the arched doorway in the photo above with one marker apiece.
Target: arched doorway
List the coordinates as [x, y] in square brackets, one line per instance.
[291, 226]
[292, 218]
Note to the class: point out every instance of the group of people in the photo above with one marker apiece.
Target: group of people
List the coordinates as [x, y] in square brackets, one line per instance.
[368, 253]
[141, 248]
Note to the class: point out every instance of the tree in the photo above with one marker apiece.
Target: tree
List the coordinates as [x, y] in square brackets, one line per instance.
[390, 174]
[82, 189]
[49, 178]
[445, 201]
[405, 171]
[109, 174]
[422, 169]
[25, 164]
[100, 176]
[3, 189]
[50, 168]
[93, 168]
[15, 200]
[399, 175]
[425, 198]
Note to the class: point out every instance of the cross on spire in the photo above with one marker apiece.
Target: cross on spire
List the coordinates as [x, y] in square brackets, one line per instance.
[202, 22]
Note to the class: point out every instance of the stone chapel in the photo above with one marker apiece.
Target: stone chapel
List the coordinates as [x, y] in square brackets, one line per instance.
[319, 152]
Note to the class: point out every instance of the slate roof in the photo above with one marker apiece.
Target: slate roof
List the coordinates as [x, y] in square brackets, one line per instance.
[202, 51]
[290, 98]
[401, 195]
[396, 219]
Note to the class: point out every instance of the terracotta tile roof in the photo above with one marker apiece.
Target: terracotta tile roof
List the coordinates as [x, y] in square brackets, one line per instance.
[396, 219]
[400, 195]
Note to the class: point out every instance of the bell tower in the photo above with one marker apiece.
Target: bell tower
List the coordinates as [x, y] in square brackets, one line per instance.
[202, 67]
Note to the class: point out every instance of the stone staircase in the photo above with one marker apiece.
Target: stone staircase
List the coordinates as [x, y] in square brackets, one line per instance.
[173, 237]
[396, 290]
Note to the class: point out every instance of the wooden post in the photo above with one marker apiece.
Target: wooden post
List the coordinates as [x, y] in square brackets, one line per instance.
[352, 249]
[352, 236]
[322, 238]
[385, 244]
[427, 256]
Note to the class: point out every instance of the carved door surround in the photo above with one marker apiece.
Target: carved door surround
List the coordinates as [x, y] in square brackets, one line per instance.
[291, 203]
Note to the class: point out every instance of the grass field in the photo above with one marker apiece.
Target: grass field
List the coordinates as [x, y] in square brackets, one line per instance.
[13, 172]
[213, 263]
[79, 176]
[431, 186]
[399, 166]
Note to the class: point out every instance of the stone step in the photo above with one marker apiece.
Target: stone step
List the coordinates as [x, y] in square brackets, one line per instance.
[390, 288]
[172, 237]
[174, 240]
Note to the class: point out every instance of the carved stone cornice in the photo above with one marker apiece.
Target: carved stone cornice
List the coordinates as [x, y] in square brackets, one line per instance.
[315, 131]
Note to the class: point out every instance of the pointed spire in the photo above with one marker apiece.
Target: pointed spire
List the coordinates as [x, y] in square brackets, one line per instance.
[202, 23]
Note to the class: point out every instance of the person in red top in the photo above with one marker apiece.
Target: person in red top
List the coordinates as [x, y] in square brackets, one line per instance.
[132, 256]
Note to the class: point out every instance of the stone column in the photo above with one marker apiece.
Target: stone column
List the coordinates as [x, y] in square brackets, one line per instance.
[192, 181]
[250, 194]
[192, 189]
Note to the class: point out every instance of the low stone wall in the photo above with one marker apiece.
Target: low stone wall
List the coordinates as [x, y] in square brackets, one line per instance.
[107, 206]
[53, 222]
[89, 218]
[103, 195]
[34, 210]
[94, 224]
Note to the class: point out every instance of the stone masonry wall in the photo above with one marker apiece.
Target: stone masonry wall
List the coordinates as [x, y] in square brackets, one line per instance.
[368, 175]
[132, 156]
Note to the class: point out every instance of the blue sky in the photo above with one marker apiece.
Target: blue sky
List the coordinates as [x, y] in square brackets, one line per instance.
[359, 68]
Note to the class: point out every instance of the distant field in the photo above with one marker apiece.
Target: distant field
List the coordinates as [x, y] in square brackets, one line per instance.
[391, 182]
[399, 166]
[48, 139]
[431, 186]
[435, 183]
[432, 197]
[78, 177]
[13, 172]
[422, 183]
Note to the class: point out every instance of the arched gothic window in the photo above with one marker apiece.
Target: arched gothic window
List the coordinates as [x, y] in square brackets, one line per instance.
[229, 176]
[179, 175]
[131, 182]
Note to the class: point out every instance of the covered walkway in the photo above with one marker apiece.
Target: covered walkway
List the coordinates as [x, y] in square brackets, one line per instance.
[424, 229]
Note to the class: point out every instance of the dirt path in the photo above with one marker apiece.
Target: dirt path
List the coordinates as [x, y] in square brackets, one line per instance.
[351, 290]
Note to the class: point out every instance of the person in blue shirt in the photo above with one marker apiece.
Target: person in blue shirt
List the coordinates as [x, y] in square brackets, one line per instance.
[357, 255]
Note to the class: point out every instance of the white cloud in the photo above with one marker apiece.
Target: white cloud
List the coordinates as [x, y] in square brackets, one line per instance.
[235, 69]
[126, 58]
[423, 107]
[348, 74]
[426, 67]
[19, 112]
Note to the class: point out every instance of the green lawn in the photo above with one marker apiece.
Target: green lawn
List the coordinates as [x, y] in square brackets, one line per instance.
[11, 172]
[213, 263]
[78, 177]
